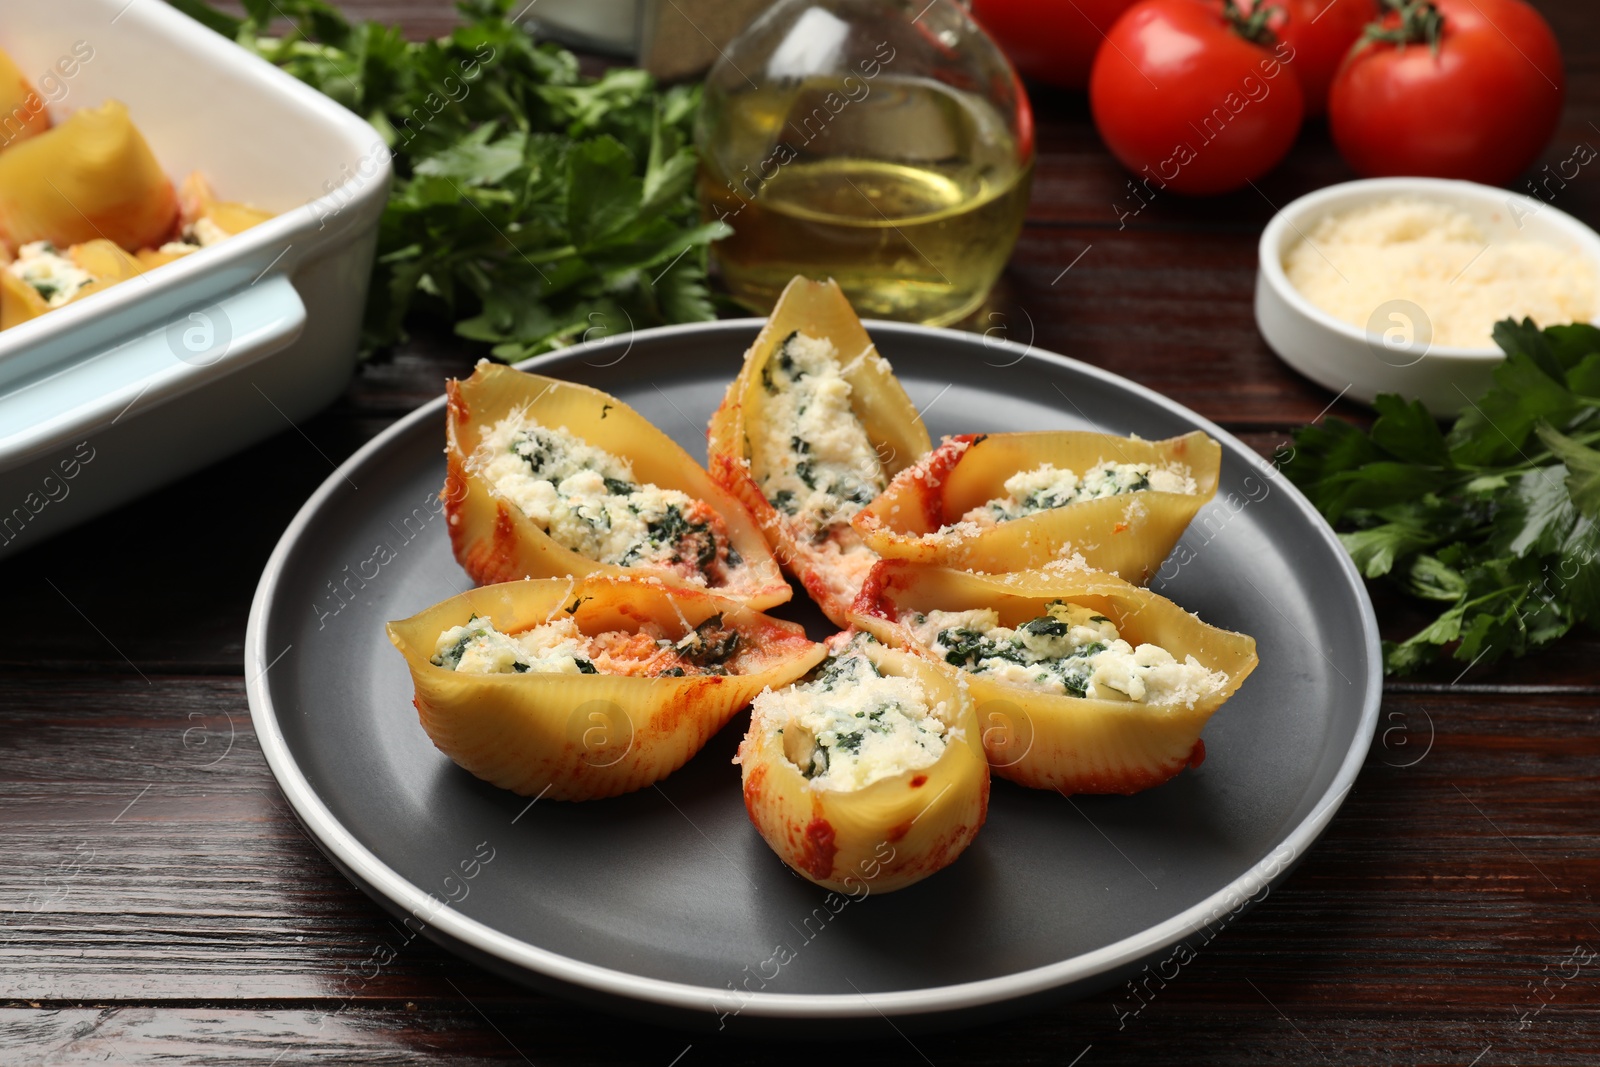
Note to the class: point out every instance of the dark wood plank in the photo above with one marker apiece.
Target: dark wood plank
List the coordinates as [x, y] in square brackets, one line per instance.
[454, 1033]
[145, 858]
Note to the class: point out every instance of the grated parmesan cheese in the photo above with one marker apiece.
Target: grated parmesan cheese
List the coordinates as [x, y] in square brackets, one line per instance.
[1435, 256]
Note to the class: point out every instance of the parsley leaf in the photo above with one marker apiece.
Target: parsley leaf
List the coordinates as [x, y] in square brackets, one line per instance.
[531, 206]
[1583, 470]
[1494, 519]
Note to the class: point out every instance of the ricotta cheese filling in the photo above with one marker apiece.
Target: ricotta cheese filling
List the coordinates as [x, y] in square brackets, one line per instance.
[55, 277]
[1070, 651]
[559, 647]
[478, 648]
[1047, 486]
[587, 500]
[205, 233]
[202, 233]
[812, 459]
[850, 725]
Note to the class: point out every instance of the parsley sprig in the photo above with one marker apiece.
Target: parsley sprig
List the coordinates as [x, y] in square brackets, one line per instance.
[1495, 518]
[532, 205]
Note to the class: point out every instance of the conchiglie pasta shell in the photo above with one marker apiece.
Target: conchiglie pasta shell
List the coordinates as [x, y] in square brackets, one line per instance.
[495, 542]
[817, 309]
[1128, 535]
[19, 301]
[197, 201]
[106, 261]
[1070, 744]
[151, 258]
[109, 264]
[890, 834]
[582, 736]
[92, 176]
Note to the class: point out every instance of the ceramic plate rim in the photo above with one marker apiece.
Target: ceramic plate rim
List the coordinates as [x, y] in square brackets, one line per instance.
[374, 876]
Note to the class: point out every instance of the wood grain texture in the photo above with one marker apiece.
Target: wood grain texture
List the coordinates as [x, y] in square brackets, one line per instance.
[159, 904]
[150, 861]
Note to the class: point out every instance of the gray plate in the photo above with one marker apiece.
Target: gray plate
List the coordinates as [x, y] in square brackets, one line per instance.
[665, 903]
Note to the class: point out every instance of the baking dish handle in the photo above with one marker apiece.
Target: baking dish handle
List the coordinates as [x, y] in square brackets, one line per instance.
[197, 346]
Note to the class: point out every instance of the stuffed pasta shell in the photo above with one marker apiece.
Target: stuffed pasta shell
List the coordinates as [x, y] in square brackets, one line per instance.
[42, 277]
[870, 773]
[548, 479]
[204, 221]
[1015, 501]
[1084, 683]
[92, 176]
[584, 689]
[812, 429]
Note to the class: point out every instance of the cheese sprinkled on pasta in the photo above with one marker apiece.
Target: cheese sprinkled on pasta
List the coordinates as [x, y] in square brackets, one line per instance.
[587, 500]
[851, 726]
[1069, 651]
[812, 456]
[1046, 487]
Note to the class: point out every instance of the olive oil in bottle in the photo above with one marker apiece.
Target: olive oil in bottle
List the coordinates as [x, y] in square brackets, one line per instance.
[908, 192]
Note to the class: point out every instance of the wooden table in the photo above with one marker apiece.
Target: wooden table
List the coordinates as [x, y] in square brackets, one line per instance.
[160, 904]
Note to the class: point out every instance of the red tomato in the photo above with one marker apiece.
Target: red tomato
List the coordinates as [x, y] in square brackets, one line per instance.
[1053, 41]
[1482, 108]
[1181, 98]
[1321, 33]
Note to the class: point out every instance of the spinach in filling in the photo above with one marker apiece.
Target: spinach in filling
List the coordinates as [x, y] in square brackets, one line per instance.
[849, 724]
[690, 542]
[815, 462]
[1044, 644]
[709, 646]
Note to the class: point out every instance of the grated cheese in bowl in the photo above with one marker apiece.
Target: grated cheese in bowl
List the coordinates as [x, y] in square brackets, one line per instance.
[1353, 262]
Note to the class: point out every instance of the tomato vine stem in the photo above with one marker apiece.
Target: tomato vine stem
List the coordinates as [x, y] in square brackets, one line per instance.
[1252, 26]
[1406, 22]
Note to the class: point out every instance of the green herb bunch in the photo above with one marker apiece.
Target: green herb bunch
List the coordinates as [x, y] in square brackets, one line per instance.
[531, 205]
[1494, 518]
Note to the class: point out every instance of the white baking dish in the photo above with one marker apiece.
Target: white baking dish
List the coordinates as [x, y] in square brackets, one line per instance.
[109, 397]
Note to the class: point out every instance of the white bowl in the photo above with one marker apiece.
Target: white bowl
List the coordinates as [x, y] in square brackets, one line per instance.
[134, 386]
[1361, 364]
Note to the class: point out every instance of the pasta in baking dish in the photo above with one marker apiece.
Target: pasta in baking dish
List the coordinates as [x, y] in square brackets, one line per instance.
[812, 429]
[1015, 501]
[85, 205]
[548, 479]
[584, 689]
[1084, 683]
